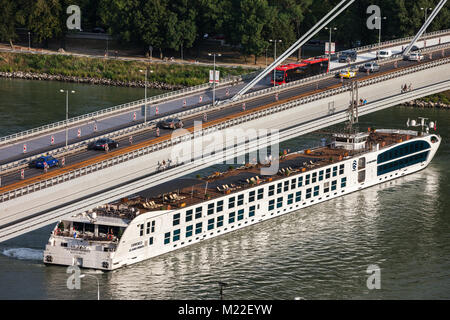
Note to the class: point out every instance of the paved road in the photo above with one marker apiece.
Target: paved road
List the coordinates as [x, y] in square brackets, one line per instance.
[213, 115]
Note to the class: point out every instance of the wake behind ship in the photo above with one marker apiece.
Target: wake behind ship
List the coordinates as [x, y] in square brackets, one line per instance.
[187, 211]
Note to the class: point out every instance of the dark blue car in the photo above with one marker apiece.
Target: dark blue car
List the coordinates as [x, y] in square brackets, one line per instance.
[39, 162]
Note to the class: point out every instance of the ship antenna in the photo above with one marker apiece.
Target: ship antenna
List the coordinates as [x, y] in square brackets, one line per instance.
[353, 115]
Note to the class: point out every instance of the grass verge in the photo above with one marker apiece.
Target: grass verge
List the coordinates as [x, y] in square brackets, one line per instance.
[173, 74]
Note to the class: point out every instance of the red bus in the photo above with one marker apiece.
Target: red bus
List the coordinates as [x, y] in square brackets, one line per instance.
[296, 71]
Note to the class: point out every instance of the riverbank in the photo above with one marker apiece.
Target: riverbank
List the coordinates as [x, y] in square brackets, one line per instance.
[106, 71]
[427, 104]
[89, 80]
[439, 100]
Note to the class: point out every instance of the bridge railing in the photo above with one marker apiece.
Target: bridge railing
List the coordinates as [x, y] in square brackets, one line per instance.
[15, 165]
[119, 108]
[166, 96]
[220, 126]
[395, 41]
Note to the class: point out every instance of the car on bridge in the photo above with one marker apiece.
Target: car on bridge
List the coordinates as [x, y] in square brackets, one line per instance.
[171, 123]
[370, 67]
[384, 54]
[347, 74]
[348, 56]
[414, 56]
[41, 161]
[101, 144]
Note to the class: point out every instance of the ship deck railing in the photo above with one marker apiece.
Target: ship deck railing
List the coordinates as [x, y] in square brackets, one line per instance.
[87, 236]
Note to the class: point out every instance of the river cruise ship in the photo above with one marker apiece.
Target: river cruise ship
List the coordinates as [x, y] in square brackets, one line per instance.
[187, 211]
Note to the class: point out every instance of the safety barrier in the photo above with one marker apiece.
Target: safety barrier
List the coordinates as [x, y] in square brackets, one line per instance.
[188, 113]
[120, 108]
[183, 92]
[223, 125]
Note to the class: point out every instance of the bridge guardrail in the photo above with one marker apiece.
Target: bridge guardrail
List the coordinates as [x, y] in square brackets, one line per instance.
[119, 108]
[223, 125]
[191, 112]
[390, 42]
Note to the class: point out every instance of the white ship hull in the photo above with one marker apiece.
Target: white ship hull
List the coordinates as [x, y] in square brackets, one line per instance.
[155, 233]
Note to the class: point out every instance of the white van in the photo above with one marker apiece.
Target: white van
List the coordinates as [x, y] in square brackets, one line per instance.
[383, 54]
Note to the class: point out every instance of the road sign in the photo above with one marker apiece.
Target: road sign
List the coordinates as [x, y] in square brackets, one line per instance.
[45, 167]
[243, 106]
[156, 110]
[184, 103]
[227, 92]
[205, 117]
[22, 174]
[106, 147]
[157, 132]
[211, 76]
[63, 161]
[200, 99]
[79, 133]
[276, 96]
[24, 148]
[52, 140]
[333, 48]
[134, 116]
[131, 139]
[95, 127]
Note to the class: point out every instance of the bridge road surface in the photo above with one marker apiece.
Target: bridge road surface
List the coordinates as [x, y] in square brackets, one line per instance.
[14, 177]
[41, 144]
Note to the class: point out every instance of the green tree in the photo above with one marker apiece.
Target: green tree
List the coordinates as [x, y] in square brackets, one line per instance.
[184, 31]
[119, 17]
[43, 18]
[249, 20]
[9, 20]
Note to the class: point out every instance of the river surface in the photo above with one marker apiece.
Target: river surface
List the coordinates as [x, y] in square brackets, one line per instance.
[321, 252]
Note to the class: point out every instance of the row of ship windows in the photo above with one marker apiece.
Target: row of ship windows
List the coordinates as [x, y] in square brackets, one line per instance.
[402, 150]
[402, 163]
[259, 194]
[310, 192]
[211, 224]
[150, 228]
[239, 215]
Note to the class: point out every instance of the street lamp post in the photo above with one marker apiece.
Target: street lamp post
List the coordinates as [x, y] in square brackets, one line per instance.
[214, 75]
[98, 283]
[275, 58]
[379, 34]
[29, 41]
[426, 11]
[145, 94]
[67, 113]
[329, 44]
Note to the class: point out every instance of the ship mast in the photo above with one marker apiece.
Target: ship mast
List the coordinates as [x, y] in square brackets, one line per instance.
[353, 107]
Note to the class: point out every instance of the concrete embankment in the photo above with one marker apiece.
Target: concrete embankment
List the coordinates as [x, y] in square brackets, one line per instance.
[100, 81]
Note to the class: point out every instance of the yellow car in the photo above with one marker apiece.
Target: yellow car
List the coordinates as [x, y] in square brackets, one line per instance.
[347, 74]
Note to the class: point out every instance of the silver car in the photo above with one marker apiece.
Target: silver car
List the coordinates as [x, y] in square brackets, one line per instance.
[370, 66]
[415, 56]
